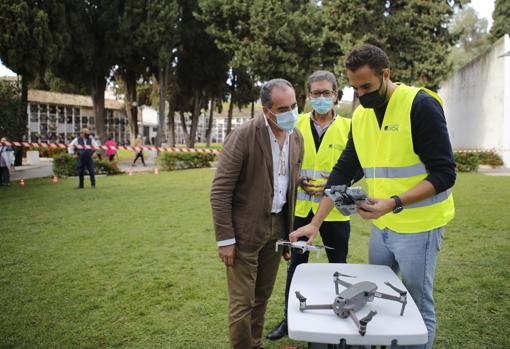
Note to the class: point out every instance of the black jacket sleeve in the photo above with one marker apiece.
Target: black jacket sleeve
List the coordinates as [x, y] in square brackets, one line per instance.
[347, 169]
[431, 141]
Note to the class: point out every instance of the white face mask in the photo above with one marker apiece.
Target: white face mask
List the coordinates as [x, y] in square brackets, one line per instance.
[286, 121]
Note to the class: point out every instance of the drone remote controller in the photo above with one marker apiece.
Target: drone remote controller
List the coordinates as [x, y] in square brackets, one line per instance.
[345, 198]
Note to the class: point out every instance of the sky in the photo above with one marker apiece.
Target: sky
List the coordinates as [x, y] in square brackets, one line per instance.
[483, 7]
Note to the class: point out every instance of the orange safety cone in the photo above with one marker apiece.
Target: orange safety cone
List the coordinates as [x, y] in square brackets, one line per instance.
[54, 180]
[156, 170]
[21, 182]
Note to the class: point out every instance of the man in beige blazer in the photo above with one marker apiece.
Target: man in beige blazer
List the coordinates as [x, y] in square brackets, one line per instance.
[252, 197]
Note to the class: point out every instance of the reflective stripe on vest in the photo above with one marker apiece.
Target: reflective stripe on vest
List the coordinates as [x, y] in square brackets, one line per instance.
[395, 172]
[442, 196]
[305, 197]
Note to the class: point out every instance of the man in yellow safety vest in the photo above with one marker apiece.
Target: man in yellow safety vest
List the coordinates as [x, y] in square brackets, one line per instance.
[324, 137]
[400, 140]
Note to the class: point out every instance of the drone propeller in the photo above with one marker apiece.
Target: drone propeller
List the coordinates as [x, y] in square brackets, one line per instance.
[337, 274]
[301, 298]
[302, 301]
[403, 296]
[325, 247]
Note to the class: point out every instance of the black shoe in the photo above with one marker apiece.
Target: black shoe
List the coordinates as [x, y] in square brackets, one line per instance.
[279, 331]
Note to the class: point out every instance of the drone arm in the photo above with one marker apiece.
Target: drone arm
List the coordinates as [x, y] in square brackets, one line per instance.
[354, 318]
[303, 306]
[341, 282]
[318, 307]
[402, 298]
[387, 296]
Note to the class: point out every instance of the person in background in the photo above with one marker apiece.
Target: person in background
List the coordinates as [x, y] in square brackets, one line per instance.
[84, 156]
[111, 152]
[6, 161]
[139, 153]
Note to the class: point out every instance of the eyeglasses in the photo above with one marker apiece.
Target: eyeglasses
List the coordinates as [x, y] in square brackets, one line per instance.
[325, 93]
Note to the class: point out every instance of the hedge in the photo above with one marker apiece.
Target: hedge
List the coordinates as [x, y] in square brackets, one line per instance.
[466, 161]
[179, 161]
[490, 158]
[64, 165]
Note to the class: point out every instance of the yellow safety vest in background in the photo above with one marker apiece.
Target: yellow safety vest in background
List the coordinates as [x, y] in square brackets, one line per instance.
[392, 167]
[318, 163]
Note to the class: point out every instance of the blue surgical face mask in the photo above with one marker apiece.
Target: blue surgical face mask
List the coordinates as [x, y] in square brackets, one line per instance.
[322, 104]
[286, 121]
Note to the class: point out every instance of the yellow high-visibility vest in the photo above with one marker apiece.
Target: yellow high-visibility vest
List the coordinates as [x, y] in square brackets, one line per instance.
[391, 166]
[317, 164]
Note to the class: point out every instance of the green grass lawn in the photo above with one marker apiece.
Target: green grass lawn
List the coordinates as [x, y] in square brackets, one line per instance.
[134, 264]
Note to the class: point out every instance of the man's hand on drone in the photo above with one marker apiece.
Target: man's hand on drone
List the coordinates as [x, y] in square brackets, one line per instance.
[226, 254]
[309, 231]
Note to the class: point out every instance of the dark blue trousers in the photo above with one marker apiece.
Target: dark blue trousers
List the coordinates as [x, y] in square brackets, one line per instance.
[85, 162]
[334, 234]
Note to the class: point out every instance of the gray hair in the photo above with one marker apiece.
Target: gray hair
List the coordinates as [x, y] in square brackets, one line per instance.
[322, 75]
[267, 89]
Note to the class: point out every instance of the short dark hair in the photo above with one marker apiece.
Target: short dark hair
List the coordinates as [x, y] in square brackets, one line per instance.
[367, 54]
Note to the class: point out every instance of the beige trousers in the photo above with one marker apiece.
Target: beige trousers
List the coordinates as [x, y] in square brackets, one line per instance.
[250, 284]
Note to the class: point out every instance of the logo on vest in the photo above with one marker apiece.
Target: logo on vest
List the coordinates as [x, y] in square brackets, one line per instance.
[336, 146]
[393, 127]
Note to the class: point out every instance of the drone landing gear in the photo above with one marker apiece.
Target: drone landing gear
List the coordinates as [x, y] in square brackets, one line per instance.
[362, 324]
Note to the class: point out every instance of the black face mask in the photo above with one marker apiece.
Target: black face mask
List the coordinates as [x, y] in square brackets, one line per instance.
[374, 99]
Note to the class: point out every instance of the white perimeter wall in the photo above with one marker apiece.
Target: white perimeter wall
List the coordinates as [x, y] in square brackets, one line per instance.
[477, 102]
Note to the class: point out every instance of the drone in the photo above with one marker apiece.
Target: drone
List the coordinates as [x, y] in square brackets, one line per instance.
[302, 246]
[345, 198]
[353, 298]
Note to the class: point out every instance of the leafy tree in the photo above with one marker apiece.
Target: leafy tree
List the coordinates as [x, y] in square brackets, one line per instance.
[197, 78]
[161, 36]
[12, 124]
[472, 34]
[418, 41]
[50, 82]
[351, 23]
[500, 16]
[90, 53]
[414, 34]
[131, 59]
[31, 38]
